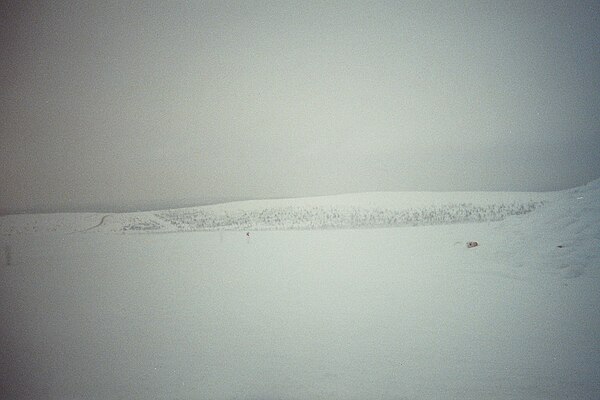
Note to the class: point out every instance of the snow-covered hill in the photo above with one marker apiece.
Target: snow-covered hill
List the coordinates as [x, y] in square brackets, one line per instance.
[361, 210]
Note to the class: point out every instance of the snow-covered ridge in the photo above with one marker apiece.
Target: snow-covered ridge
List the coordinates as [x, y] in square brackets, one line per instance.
[358, 210]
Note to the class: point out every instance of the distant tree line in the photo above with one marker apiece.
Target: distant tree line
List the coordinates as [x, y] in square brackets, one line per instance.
[324, 217]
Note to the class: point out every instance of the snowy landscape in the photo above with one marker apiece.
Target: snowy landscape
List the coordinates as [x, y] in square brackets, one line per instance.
[289, 200]
[296, 299]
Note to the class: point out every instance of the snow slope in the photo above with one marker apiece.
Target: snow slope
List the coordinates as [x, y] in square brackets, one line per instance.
[392, 313]
[360, 210]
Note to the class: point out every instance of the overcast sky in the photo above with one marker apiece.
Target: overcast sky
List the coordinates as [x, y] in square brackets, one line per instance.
[133, 104]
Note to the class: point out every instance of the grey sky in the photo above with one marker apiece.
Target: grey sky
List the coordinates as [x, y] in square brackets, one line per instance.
[133, 104]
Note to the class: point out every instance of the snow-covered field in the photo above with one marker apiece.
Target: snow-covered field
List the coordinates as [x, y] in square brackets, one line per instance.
[399, 312]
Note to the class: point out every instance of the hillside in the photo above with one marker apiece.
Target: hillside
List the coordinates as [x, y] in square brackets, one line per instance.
[360, 210]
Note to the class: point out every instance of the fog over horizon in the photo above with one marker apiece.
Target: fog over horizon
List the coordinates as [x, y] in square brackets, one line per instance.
[125, 106]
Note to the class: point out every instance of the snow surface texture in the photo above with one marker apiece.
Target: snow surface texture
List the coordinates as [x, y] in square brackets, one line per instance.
[394, 313]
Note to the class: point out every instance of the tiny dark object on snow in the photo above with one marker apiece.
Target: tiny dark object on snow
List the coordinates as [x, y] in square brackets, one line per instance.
[472, 244]
[560, 246]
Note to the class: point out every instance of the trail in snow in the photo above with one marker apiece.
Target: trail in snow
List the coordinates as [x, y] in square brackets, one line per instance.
[99, 224]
